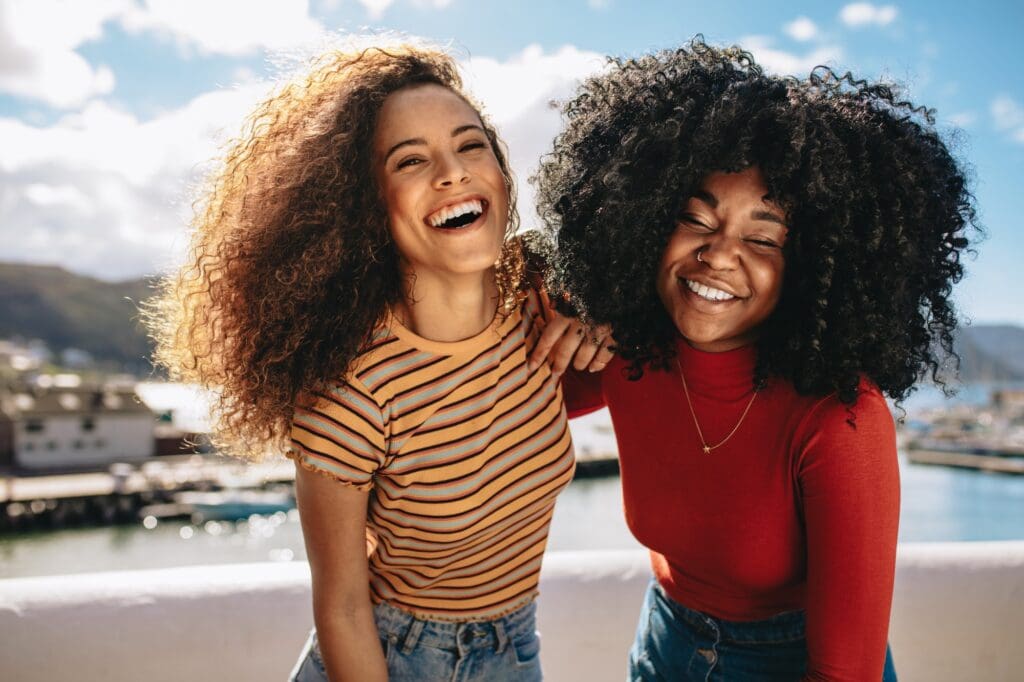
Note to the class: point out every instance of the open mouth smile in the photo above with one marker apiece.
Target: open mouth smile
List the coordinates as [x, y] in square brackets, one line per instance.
[708, 293]
[457, 215]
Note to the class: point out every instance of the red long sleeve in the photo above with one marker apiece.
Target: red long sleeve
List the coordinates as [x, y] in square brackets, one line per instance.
[849, 481]
[798, 510]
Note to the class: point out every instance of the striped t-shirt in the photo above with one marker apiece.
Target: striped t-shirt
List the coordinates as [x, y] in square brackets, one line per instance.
[464, 452]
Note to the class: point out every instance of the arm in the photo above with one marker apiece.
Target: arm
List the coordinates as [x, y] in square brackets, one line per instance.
[333, 517]
[564, 339]
[339, 444]
[581, 390]
[849, 482]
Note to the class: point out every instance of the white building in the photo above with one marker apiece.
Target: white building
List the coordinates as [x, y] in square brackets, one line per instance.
[73, 427]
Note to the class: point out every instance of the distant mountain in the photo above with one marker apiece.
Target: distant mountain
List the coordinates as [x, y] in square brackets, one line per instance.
[73, 311]
[1000, 346]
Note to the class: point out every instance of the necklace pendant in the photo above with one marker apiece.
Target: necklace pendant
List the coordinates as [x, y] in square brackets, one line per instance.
[707, 449]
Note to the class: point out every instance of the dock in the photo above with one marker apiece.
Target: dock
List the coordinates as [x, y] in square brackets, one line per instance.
[118, 496]
[994, 463]
[97, 498]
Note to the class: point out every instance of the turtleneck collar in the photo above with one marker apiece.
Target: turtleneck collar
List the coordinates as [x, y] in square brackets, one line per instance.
[724, 376]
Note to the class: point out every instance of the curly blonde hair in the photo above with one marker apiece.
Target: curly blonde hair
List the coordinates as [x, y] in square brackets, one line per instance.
[291, 265]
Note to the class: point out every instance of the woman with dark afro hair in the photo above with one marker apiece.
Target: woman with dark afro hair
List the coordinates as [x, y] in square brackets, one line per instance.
[774, 255]
[354, 295]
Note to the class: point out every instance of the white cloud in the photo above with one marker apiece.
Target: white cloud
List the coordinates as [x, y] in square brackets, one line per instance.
[231, 27]
[1008, 116]
[376, 8]
[785, 63]
[801, 29]
[37, 53]
[38, 57]
[105, 193]
[517, 94]
[860, 14]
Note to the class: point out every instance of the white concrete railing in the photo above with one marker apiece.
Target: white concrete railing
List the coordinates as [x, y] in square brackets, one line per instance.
[958, 615]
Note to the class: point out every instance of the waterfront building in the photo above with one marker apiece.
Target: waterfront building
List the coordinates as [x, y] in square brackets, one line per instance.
[65, 426]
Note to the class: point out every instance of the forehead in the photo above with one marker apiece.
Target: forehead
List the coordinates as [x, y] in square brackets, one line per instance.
[748, 184]
[420, 111]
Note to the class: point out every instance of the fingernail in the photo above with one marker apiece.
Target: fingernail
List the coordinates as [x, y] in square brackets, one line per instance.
[531, 366]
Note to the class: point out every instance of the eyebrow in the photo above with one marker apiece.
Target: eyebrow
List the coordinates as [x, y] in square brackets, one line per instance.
[707, 197]
[420, 141]
[712, 201]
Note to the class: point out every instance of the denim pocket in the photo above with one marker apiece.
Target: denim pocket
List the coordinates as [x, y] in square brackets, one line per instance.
[388, 646]
[526, 651]
[317, 658]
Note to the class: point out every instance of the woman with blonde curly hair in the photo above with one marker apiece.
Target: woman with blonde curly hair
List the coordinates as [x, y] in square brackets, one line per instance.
[354, 295]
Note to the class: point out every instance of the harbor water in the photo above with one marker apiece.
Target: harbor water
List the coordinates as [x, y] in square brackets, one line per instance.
[938, 504]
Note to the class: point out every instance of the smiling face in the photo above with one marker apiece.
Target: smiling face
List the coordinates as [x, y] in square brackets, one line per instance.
[720, 275]
[446, 197]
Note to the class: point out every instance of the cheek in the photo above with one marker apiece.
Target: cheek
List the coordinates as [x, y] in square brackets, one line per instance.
[665, 278]
[674, 253]
[496, 180]
[770, 282]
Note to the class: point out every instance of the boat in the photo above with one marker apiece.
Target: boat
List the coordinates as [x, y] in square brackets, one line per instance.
[231, 505]
[986, 437]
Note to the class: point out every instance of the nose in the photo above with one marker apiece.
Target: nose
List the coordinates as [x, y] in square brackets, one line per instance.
[720, 252]
[450, 171]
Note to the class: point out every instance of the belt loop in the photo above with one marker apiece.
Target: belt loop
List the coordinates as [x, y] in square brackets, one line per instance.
[501, 635]
[412, 636]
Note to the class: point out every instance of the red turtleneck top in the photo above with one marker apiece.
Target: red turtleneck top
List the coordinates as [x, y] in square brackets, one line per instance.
[797, 510]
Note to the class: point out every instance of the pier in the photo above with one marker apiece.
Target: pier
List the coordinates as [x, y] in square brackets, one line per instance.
[1001, 464]
[124, 492]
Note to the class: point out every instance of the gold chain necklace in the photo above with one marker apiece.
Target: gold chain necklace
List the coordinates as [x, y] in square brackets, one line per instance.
[704, 444]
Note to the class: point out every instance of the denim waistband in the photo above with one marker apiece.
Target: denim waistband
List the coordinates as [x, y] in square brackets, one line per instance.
[783, 627]
[406, 630]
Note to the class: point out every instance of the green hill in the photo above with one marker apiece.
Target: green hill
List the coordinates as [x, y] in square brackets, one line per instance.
[73, 311]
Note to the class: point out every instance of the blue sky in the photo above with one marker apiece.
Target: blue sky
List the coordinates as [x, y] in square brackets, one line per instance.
[111, 109]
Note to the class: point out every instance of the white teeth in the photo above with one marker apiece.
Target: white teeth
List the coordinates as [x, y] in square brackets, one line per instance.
[445, 214]
[707, 292]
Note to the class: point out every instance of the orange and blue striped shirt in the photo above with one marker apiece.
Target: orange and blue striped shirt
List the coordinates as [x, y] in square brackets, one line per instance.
[464, 452]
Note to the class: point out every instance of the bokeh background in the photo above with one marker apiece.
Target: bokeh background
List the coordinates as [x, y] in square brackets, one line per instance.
[112, 111]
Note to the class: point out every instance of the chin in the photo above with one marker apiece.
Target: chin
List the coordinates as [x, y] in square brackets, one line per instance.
[471, 264]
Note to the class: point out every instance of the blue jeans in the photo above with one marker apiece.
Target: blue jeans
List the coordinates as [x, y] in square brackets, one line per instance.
[503, 650]
[677, 643]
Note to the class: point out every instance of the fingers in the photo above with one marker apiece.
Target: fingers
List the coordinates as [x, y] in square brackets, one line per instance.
[585, 353]
[566, 341]
[604, 349]
[553, 332]
[567, 347]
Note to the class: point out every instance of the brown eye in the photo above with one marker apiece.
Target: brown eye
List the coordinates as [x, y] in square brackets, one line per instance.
[411, 161]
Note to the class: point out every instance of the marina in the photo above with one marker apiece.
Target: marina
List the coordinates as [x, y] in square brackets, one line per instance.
[194, 509]
[939, 504]
[986, 436]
